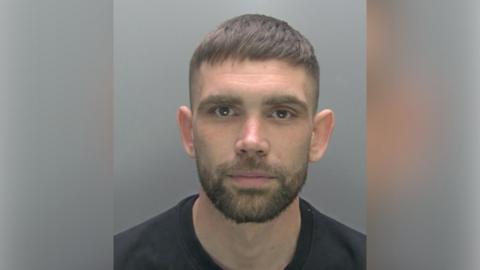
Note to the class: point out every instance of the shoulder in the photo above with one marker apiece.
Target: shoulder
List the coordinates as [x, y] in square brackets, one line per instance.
[150, 244]
[336, 243]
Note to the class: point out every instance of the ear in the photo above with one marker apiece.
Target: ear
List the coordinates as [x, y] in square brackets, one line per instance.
[323, 124]
[184, 119]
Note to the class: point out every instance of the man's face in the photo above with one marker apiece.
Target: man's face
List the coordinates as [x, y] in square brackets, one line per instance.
[252, 126]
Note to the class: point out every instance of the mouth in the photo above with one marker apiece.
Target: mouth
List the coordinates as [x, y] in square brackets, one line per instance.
[251, 179]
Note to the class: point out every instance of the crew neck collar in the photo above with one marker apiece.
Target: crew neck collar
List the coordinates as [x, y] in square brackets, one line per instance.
[200, 259]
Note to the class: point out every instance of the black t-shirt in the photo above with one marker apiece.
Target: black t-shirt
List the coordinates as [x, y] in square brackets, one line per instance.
[168, 241]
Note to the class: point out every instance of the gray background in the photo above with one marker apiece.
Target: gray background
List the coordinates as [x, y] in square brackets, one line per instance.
[153, 43]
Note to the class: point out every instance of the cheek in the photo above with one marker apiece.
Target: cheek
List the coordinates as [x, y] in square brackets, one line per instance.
[292, 148]
[212, 145]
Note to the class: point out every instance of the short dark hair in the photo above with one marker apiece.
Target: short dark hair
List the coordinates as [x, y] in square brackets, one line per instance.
[255, 37]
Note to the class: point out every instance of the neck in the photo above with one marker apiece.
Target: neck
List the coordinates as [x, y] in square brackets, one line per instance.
[268, 245]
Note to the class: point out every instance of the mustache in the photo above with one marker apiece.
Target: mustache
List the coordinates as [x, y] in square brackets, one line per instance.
[249, 163]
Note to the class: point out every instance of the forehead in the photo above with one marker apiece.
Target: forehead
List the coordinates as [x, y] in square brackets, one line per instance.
[252, 79]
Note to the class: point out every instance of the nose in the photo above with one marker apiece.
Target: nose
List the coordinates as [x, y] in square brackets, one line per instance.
[251, 140]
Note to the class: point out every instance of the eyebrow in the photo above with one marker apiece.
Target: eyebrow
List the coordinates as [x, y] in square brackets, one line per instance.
[285, 100]
[237, 100]
[219, 100]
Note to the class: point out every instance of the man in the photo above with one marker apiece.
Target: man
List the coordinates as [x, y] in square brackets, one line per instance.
[252, 128]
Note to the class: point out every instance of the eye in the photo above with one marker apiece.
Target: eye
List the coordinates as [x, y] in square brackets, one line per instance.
[282, 114]
[223, 111]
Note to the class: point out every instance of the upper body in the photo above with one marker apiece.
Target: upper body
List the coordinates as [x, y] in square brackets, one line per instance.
[252, 127]
[168, 241]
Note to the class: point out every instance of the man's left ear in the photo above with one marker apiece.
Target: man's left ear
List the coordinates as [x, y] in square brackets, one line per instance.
[323, 124]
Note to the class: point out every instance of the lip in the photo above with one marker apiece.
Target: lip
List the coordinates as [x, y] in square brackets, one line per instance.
[251, 174]
[251, 179]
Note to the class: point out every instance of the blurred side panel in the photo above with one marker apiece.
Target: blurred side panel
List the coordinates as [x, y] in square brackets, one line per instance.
[56, 134]
[473, 260]
[422, 135]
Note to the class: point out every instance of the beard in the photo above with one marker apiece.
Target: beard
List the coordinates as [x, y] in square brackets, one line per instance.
[256, 205]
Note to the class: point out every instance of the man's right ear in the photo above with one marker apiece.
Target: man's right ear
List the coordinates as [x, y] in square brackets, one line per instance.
[184, 119]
